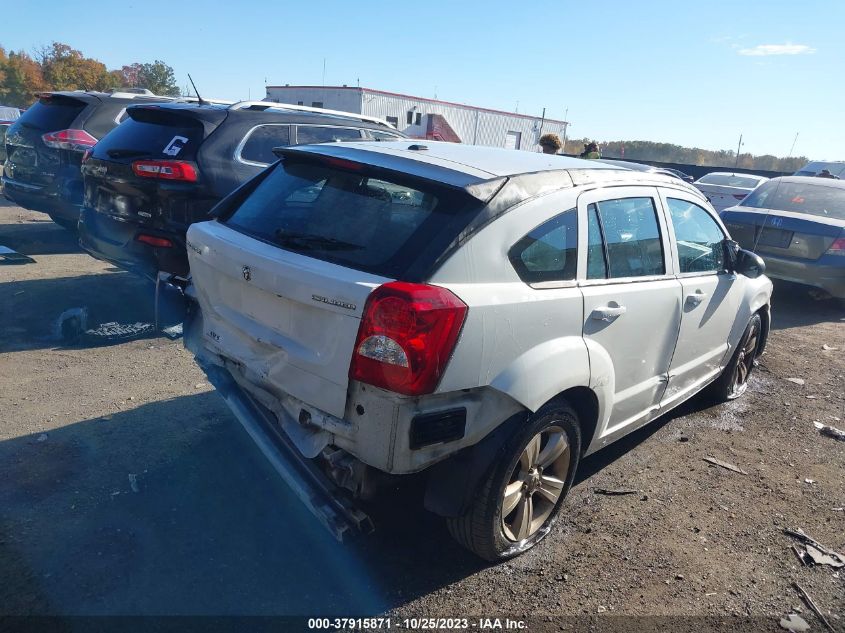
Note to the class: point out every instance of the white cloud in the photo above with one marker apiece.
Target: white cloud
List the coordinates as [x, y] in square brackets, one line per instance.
[777, 49]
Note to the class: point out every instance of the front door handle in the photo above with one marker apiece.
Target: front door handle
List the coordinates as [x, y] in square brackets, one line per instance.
[696, 298]
[608, 313]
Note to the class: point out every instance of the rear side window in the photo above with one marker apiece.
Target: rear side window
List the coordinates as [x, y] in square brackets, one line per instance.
[174, 137]
[259, 144]
[700, 240]
[631, 238]
[377, 135]
[371, 222]
[306, 134]
[813, 199]
[549, 252]
[53, 113]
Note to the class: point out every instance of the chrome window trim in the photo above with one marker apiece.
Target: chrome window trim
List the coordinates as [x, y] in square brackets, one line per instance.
[244, 140]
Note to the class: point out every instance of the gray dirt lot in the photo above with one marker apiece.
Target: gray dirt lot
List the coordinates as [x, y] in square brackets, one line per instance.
[212, 531]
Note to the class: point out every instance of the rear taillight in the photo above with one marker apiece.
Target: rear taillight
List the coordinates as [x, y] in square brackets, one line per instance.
[74, 140]
[152, 240]
[165, 169]
[406, 337]
[837, 248]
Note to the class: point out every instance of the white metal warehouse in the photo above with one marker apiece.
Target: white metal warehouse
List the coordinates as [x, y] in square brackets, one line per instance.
[419, 117]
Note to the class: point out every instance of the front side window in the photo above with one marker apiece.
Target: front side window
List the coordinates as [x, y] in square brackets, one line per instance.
[549, 252]
[700, 240]
[631, 238]
[315, 134]
[259, 145]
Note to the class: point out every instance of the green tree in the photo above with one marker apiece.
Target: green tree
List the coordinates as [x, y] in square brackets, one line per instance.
[157, 77]
[65, 68]
[21, 79]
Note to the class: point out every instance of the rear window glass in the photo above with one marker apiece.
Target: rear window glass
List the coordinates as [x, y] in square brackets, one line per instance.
[259, 145]
[178, 138]
[53, 113]
[801, 197]
[730, 180]
[374, 223]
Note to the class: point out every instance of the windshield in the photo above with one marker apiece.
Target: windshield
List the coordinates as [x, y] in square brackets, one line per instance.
[813, 199]
[371, 222]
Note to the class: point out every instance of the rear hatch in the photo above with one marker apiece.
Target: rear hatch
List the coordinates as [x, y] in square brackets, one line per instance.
[726, 190]
[789, 219]
[146, 170]
[30, 161]
[282, 277]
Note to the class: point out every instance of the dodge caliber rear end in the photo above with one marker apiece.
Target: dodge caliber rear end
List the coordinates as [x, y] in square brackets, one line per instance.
[312, 311]
[144, 184]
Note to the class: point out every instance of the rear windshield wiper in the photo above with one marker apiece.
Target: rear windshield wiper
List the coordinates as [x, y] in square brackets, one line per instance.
[313, 241]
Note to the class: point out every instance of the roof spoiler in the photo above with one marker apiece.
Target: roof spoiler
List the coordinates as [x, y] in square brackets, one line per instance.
[265, 105]
[483, 190]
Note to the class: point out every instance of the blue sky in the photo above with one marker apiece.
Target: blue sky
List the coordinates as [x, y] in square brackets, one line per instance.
[696, 74]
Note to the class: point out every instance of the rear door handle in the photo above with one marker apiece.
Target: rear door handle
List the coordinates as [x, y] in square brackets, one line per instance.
[697, 297]
[608, 313]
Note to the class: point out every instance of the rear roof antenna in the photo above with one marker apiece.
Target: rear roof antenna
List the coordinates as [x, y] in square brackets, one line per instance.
[196, 92]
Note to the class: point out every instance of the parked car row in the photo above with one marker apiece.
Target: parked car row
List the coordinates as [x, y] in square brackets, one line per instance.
[47, 145]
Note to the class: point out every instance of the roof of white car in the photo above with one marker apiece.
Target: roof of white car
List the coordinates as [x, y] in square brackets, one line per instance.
[475, 160]
[813, 180]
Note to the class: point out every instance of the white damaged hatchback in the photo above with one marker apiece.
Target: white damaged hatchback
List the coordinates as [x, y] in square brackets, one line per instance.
[487, 316]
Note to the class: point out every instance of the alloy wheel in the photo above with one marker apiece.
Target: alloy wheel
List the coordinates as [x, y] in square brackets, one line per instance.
[745, 361]
[536, 484]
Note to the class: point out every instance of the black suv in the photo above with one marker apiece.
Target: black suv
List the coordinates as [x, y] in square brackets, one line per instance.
[45, 145]
[167, 165]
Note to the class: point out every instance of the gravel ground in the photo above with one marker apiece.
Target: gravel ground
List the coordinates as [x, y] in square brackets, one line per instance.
[126, 487]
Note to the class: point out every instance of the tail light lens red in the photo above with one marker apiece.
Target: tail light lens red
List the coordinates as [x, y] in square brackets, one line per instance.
[74, 140]
[152, 240]
[165, 170]
[406, 337]
[837, 248]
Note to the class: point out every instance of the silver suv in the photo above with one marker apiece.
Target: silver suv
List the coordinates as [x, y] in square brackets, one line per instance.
[489, 316]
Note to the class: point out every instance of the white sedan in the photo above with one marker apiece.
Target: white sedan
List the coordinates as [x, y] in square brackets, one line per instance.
[726, 189]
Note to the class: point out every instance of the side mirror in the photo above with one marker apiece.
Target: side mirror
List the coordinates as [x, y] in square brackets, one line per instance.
[749, 264]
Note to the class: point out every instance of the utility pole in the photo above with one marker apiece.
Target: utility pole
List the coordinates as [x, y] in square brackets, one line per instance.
[736, 162]
[565, 128]
[542, 120]
[324, 71]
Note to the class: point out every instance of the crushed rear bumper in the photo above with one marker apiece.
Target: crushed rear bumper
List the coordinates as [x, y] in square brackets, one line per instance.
[326, 500]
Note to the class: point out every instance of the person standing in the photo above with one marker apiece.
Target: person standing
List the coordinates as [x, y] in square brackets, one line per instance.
[591, 150]
[550, 143]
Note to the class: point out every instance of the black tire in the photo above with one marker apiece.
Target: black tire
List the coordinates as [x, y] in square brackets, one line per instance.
[70, 225]
[733, 381]
[482, 529]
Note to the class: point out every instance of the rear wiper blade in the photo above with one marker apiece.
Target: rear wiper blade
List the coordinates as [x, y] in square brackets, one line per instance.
[311, 240]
